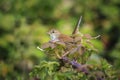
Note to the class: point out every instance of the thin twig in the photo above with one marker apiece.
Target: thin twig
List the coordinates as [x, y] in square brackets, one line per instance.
[40, 48]
[65, 54]
[58, 55]
[76, 30]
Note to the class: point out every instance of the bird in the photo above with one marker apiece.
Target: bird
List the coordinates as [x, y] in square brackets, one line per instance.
[56, 35]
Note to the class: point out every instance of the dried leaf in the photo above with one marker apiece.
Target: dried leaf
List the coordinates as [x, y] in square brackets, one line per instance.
[48, 45]
[60, 43]
[99, 75]
[69, 46]
[72, 51]
[83, 68]
[81, 50]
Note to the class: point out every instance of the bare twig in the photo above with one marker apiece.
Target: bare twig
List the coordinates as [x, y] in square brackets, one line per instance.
[65, 54]
[59, 57]
[76, 30]
[96, 37]
[40, 48]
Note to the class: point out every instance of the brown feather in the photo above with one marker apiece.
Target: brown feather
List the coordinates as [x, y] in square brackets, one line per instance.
[65, 38]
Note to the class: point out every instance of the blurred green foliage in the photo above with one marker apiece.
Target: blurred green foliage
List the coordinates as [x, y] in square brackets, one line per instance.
[24, 25]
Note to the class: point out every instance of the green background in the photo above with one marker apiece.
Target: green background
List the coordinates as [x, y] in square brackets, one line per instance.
[24, 25]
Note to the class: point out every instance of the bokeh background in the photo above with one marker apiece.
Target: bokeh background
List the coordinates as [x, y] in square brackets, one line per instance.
[24, 25]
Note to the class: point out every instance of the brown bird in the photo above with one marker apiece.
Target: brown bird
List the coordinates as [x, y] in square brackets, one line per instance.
[55, 36]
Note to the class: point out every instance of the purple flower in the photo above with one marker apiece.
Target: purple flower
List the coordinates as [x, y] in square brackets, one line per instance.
[79, 67]
[75, 64]
[65, 59]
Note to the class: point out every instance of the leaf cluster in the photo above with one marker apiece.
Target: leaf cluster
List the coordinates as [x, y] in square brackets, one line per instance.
[71, 61]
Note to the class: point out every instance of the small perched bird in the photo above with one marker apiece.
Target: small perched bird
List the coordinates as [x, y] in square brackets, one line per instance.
[55, 35]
